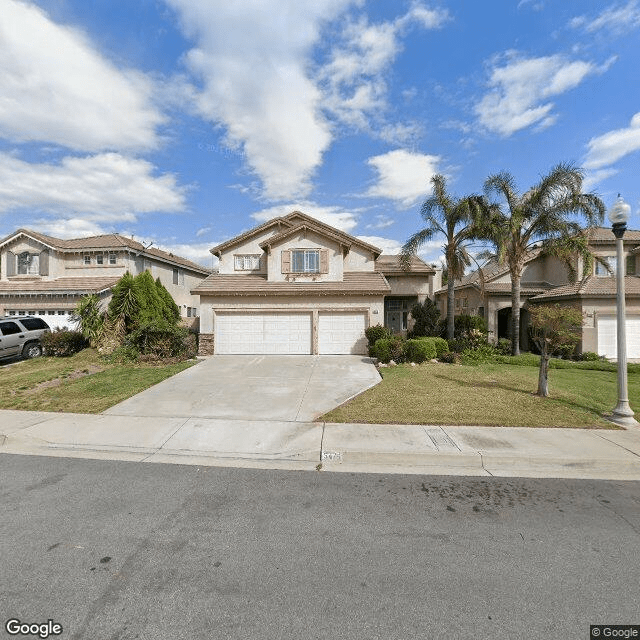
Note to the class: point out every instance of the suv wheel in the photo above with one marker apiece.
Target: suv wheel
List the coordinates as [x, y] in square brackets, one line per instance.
[32, 350]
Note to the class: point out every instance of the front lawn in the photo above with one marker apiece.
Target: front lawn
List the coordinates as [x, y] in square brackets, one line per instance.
[488, 394]
[82, 383]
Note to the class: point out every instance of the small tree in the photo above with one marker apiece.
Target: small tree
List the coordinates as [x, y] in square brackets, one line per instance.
[89, 318]
[553, 329]
[427, 319]
[171, 310]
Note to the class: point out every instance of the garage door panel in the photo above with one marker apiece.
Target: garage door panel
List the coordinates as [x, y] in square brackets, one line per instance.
[607, 336]
[263, 333]
[342, 332]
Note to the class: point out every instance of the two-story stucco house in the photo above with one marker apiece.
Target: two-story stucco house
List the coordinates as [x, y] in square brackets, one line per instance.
[45, 276]
[546, 280]
[295, 285]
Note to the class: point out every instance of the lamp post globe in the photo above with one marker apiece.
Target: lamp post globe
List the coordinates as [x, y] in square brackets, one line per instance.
[619, 216]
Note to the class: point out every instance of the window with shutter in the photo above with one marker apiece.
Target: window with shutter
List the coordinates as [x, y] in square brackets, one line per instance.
[305, 261]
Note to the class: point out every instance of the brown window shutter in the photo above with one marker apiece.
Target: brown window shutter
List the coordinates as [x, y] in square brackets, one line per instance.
[286, 261]
[324, 261]
[44, 263]
[11, 263]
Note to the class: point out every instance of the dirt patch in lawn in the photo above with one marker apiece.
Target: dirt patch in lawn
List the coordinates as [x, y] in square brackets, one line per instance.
[72, 375]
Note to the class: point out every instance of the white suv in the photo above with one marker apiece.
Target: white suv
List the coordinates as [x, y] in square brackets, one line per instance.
[21, 336]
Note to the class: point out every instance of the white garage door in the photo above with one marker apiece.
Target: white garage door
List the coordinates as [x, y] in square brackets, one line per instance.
[607, 336]
[342, 332]
[263, 333]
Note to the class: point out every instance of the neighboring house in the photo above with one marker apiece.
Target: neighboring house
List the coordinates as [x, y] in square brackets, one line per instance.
[295, 285]
[546, 280]
[45, 276]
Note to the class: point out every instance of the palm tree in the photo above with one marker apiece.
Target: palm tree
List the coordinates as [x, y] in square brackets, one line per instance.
[541, 215]
[453, 218]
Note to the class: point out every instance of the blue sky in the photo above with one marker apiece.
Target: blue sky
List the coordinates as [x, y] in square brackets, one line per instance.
[186, 122]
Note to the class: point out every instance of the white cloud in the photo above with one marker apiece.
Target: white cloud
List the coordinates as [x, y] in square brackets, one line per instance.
[69, 227]
[611, 146]
[388, 246]
[196, 251]
[381, 222]
[519, 91]
[252, 58]
[104, 187]
[616, 18]
[331, 215]
[354, 76]
[56, 88]
[403, 176]
[203, 231]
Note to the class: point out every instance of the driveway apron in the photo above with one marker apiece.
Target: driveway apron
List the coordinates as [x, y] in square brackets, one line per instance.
[269, 388]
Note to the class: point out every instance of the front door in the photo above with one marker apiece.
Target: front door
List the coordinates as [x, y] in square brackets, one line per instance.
[394, 321]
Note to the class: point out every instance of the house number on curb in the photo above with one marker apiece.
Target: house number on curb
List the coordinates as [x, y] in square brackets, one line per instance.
[331, 455]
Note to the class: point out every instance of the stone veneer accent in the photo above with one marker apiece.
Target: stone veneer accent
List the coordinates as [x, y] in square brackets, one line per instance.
[205, 344]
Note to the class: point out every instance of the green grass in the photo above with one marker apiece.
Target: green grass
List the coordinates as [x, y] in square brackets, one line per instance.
[487, 394]
[82, 383]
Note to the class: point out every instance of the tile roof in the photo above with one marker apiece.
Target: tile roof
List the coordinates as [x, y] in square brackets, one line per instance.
[605, 235]
[59, 285]
[525, 288]
[289, 223]
[354, 283]
[105, 242]
[592, 286]
[391, 265]
[281, 222]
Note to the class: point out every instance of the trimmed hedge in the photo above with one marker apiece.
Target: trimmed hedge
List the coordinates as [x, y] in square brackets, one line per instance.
[419, 350]
[61, 343]
[440, 345]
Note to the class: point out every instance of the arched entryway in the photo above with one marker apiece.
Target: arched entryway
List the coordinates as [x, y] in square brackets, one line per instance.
[504, 326]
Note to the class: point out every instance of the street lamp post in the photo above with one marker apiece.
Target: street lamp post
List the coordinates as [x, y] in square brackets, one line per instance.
[622, 414]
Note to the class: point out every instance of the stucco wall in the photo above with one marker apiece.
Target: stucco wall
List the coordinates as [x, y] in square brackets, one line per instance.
[359, 259]
[410, 285]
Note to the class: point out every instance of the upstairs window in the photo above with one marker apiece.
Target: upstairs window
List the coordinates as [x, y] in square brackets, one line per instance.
[305, 261]
[28, 263]
[86, 259]
[631, 265]
[112, 258]
[246, 262]
[601, 270]
[99, 259]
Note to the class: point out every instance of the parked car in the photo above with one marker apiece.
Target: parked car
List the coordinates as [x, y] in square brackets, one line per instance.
[20, 336]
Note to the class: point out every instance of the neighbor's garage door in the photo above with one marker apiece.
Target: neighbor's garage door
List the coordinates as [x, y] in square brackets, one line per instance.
[263, 333]
[607, 335]
[342, 332]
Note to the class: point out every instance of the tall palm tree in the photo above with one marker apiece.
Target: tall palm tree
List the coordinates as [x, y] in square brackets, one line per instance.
[451, 217]
[545, 214]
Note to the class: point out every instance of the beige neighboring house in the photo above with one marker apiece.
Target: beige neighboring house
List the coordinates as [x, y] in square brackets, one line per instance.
[45, 276]
[546, 280]
[295, 285]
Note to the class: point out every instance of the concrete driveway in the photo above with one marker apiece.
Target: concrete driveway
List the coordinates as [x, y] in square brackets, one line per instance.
[265, 388]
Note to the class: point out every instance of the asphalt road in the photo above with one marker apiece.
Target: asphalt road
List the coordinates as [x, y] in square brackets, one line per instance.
[117, 550]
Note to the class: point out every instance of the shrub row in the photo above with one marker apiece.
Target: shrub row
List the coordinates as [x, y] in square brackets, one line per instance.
[413, 350]
[61, 343]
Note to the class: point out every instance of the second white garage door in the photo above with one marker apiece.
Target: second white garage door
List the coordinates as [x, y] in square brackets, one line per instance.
[342, 332]
[263, 333]
[607, 336]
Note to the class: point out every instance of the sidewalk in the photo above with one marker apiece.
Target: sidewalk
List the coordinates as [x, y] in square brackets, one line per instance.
[420, 449]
